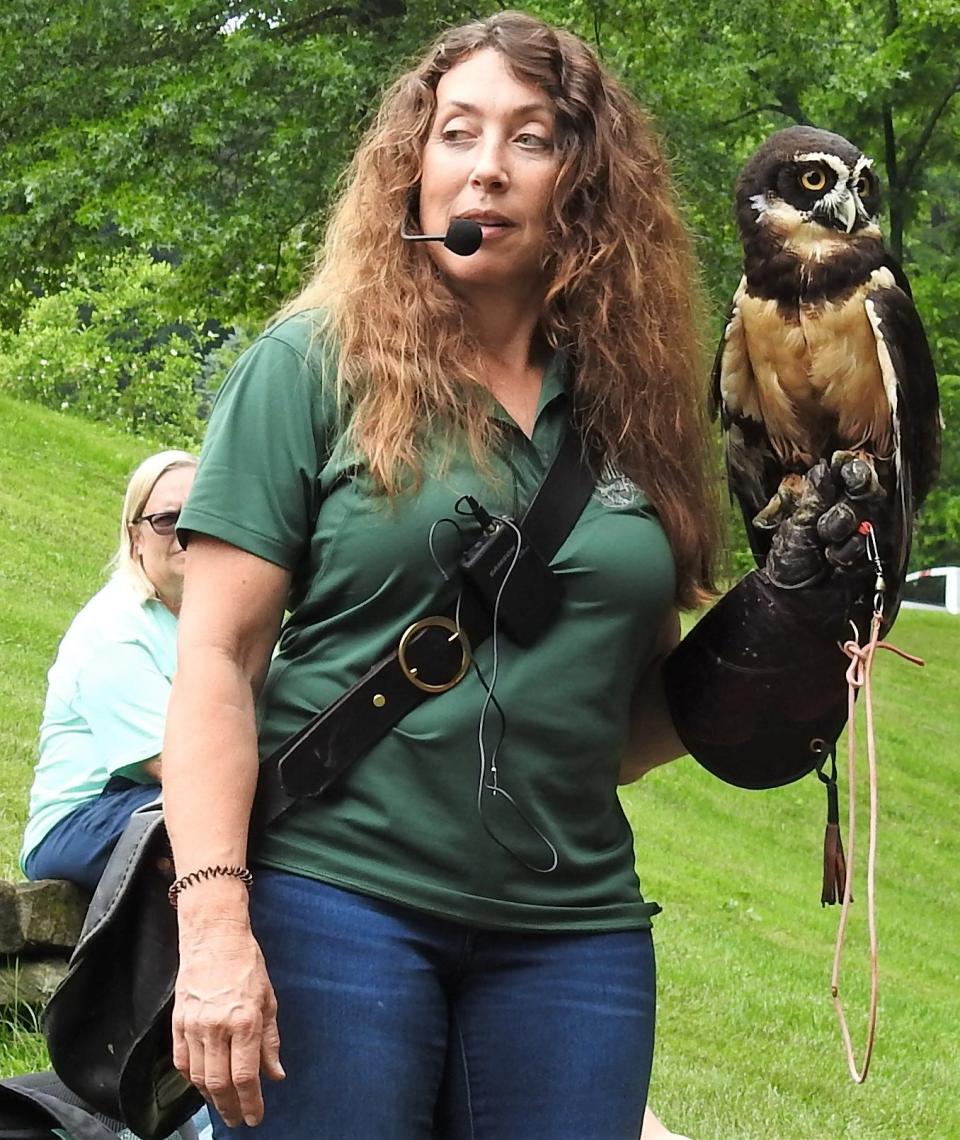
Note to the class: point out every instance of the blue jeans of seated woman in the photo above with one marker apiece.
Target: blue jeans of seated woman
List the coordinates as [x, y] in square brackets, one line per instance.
[395, 1025]
[78, 847]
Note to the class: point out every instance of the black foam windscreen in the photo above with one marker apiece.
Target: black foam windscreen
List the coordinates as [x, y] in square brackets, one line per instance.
[463, 236]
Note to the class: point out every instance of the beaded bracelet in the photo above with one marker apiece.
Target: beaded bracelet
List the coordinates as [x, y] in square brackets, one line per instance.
[194, 877]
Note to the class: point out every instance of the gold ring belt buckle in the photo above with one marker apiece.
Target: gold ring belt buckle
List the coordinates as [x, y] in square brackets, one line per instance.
[455, 634]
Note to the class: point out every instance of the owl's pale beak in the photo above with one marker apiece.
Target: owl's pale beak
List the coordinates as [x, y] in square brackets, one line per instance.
[837, 210]
[845, 211]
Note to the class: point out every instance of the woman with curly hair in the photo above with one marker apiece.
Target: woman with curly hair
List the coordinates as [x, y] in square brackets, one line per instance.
[451, 940]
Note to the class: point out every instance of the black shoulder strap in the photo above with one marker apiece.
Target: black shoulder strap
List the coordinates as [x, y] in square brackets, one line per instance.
[560, 499]
[347, 729]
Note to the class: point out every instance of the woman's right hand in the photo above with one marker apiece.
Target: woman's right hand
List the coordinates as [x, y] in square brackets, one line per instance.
[225, 1012]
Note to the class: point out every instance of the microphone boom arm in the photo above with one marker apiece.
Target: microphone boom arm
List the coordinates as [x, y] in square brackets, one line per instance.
[463, 237]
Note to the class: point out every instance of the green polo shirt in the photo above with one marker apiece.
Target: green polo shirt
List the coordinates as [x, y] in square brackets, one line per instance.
[278, 478]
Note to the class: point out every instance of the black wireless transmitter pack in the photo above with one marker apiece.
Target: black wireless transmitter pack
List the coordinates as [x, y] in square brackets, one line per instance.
[532, 593]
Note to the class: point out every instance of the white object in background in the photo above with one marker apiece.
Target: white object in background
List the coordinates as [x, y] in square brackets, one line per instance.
[935, 589]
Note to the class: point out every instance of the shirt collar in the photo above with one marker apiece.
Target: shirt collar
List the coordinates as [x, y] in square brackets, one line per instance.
[557, 381]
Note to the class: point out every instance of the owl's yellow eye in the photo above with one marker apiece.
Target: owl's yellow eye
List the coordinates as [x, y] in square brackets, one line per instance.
[813, 179]
[862, 188]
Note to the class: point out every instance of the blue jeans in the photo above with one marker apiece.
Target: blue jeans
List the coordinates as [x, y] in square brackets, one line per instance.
[78, 847]
[396, 1025]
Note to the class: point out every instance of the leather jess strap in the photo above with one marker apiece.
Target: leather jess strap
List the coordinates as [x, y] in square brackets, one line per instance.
[431, 656]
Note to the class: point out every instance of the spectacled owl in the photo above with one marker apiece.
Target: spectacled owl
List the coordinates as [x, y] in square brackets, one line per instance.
[824, 354]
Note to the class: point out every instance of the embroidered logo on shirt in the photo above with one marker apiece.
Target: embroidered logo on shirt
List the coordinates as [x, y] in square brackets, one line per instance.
[614, 489]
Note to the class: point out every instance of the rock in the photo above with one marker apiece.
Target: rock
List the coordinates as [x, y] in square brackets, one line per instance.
[39, 927]
[11, 937]
[47, 915]
[29, 983]
[51, 914]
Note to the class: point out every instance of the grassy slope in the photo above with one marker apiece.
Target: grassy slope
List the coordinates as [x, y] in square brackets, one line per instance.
[748, 1044]
[61, 484]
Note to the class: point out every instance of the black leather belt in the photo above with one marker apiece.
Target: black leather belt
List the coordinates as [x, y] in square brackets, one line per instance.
[431, 656]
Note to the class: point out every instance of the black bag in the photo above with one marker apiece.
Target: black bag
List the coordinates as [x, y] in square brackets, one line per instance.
[33, 1105]
[108, 1024]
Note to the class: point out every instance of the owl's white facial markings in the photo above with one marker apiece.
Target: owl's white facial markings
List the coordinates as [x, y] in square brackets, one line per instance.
[837, 211]
[793, 227]
[761, 203]
[863, 164]
[838, 202]
[837, 165]
[839, 168]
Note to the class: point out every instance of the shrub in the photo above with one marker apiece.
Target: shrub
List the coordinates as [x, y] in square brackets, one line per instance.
[113, 344]
[218, 361]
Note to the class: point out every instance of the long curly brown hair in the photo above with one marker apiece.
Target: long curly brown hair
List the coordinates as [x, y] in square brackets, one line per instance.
[623, 298]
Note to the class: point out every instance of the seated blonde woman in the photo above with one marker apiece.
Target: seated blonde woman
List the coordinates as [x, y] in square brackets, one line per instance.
[103, 720]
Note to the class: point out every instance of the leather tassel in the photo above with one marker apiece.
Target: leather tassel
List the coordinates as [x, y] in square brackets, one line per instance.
[834, 866]
[834, 860]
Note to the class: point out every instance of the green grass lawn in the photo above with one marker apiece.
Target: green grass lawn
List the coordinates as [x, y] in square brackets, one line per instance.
[748, 1045]
[61, 485]
[748, 1042]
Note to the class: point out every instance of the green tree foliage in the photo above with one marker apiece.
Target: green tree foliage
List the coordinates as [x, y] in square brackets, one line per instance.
[214, 131]
[112, 344]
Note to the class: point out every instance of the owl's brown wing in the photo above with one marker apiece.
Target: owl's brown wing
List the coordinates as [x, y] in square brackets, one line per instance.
[910, 381]
[754, 469]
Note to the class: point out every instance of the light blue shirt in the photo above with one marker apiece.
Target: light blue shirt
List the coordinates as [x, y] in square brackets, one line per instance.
[106, 703]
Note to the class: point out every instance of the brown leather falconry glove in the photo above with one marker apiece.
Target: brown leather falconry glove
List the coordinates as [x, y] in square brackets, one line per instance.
[757, 689]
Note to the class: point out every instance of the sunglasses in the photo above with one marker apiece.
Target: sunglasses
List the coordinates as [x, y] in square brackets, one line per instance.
[163, 522]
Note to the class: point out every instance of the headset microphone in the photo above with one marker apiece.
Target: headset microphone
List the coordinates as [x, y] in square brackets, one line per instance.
[463, 237]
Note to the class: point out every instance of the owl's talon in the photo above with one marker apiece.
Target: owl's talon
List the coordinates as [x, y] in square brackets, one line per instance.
[821, 480]
[770, 517]
[838, 458]
[782, 504]
[817, 495]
